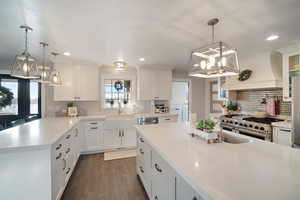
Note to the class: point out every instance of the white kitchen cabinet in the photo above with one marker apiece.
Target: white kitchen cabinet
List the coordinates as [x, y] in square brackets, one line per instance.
[282, 136]
[94, 135]
[163, 179]
[184, 191]
[79, 83]
[290, 58]
[129, 137]
[154, 84]
[112, 138]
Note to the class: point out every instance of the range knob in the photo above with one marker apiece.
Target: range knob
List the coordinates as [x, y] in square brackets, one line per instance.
[262, 128]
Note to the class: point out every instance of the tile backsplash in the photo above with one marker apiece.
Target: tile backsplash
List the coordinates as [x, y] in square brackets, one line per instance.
[250, 100]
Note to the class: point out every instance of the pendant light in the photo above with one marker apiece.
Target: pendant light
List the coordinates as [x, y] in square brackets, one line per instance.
[55, 78]
[43, 70]
[25, 66]
[216, 59]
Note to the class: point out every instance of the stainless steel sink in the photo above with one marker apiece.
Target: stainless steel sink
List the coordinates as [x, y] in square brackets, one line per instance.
[234, 139]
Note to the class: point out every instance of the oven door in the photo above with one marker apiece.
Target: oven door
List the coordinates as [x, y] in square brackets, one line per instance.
[230, 128]
[251, 134]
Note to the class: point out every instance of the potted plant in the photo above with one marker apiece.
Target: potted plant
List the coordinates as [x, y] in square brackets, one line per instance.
[6, 97]
[231, 106]
[206, 125]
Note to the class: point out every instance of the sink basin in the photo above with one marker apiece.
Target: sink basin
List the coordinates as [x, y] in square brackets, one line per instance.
[234, 139]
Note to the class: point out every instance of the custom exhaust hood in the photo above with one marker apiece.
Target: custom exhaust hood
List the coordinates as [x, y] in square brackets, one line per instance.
[266, 73]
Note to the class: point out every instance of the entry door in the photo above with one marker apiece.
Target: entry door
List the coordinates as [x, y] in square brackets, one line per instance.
[180, 100]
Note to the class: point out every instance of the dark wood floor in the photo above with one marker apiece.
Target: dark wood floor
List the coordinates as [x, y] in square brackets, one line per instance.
[96, 179]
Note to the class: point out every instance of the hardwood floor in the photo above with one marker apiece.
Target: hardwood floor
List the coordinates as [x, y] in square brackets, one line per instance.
[96, 179]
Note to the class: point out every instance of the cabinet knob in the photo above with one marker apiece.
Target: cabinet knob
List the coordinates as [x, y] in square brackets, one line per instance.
[142, 169]
[68, 150]
[68, 170]
[141, 151]
[156, 198]
[68, 136]
[142, 140]
[195, 198]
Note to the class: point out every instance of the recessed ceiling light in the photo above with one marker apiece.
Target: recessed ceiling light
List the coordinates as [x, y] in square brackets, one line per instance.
[67, 53]
[272, 37]
[142, 59]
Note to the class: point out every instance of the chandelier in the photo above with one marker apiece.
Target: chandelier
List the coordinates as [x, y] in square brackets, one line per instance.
[25, 65]
[43, 70]
[216, 59]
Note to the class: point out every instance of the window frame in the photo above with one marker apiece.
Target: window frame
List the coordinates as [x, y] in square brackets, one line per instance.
[118, 77]
[23, 101]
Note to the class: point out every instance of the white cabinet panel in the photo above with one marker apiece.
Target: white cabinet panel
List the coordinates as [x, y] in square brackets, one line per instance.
[94, 135]
[129, 137]
[65, 92]
[112, 138]
[185, 191]
[154, 84]
[285, 137]
[79, 83]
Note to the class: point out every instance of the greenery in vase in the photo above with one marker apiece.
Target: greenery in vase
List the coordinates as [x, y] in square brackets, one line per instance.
[6, 97]
[232, 106]
[206, 124]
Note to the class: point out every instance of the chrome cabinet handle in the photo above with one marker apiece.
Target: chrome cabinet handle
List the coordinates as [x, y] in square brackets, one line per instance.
[195, 198]
[168, 119]
[156, 198]
[68, 170]
[142, 169]
[76, 134]
[285, 130]
[141, 151]
[119, 133]
[142, 140]
[58, 147]
[157, 168]
[59, 156]
[94, 128]
[122, 133]
[68, 150]
[68, 136]
[93, 123]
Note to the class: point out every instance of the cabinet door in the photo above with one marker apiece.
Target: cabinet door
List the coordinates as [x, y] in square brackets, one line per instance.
[146, 84]
[285, 137]
[112, 138]
[164, 84]
[129, 137]
[87, 83]
[93, 138]
[275, 135]
[65, 92]
[184, 191]
[163, 179]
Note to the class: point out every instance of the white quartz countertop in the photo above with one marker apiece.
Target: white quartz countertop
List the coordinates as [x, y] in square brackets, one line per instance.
[257, 170]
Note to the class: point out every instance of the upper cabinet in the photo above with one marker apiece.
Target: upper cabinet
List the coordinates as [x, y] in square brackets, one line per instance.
[79, 83]
[154, 84]
[290, 59]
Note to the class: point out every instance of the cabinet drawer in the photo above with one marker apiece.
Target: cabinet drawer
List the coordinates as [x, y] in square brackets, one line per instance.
[167, 119]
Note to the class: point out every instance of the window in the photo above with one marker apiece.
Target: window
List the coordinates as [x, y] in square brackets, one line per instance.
[112, 97]
[12, 85]
[26, 104]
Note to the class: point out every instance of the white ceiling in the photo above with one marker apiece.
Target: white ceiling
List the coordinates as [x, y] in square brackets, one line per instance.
[162, 31]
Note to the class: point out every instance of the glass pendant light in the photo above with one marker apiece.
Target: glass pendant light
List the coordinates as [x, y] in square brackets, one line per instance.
[216, 59]
[55, 78]
[25, 65]
[43, 70]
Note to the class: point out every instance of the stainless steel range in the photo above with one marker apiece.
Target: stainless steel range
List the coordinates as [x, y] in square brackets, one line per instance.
[247, 125]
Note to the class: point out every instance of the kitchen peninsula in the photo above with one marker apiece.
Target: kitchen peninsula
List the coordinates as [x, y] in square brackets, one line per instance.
[223, 171]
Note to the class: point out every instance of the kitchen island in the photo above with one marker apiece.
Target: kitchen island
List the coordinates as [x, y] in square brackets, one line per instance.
[223, 171]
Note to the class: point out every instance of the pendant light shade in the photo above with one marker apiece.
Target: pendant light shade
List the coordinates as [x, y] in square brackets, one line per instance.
[25, 65]
[43, 70]
[216, 59]
[55, 78]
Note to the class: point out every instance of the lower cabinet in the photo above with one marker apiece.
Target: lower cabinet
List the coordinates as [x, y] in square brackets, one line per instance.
[65, 153]
[282, 136]
[93, 135]
[159, 179]
[119, 138]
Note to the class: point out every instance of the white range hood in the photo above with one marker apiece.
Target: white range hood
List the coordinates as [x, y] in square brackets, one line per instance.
[266, 73]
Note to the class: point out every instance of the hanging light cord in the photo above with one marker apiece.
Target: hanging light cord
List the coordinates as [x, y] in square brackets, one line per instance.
[213, 33]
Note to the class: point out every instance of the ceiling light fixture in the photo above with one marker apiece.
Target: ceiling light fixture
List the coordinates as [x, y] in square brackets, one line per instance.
[272, 37]
[142, 59]
[25, 66]
[216, 59]
[120, 65]
[67, 53]
[43, 70]
[55, 78]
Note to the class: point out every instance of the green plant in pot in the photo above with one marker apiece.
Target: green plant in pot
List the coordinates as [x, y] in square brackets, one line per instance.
[206, 125]
[231, 106]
